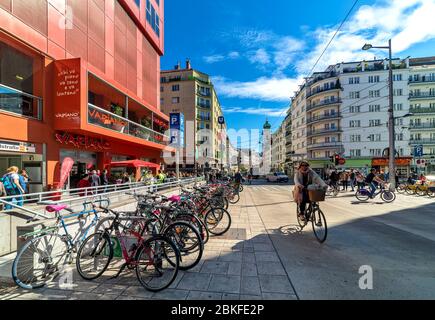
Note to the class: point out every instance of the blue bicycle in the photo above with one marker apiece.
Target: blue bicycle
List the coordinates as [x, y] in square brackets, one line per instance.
[46, 252]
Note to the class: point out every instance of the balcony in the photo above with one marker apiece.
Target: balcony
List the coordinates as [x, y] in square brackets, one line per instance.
[323, 77]
[102, 118]
[323, 103]
[325, 145]
[312, 133]
[422, 95]
[421, 80]
[202, 118]
[20, 103]
[423, 142]
[324, 117]
[422, 126]
[316, 92]
[204, 94]
[203, 106]
[422, 110]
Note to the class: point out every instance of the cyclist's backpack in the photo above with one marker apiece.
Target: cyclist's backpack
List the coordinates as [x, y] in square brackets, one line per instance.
[9, 185]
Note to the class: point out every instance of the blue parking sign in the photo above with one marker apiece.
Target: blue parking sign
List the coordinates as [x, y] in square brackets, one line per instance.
[177, 129]
[418, 151]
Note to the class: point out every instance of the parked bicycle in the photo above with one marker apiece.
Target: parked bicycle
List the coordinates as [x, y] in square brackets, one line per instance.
[46, 252]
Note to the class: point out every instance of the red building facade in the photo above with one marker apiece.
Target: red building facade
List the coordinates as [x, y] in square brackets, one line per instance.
[80, 79]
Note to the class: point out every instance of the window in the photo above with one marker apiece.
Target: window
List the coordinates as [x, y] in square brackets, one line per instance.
[176, 100]
[399, 137]
[374, 93]
[374, 137]
[398, 107]
[375, 152]
[176, 87]
[374, 123]
[354, 109]
[355, 123]
[354, 95]
[153, 18]
[397, 77]
[398, 92]
[354, 80]
[355, 138]
[399, 121]
[355, 153]
[375, 108]
[373, 79]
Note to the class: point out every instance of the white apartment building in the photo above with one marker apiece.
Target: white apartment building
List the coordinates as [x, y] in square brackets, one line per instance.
[365, 105]
[344, 110]
[422, 106]
[299, 125]
[279, 149]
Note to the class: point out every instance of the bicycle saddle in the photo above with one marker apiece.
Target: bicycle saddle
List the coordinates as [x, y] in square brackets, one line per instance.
[56, 208]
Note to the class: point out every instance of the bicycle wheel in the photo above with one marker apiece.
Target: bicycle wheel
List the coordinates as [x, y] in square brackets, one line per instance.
[188, 242]
[411, 190]
[217, 221]
[401, 188]
[388, 196]
[362, 194]
[94, 256]
[235, 199]
[193, 219]
[421, 192]
[320, 227]
[157, 263]
[241, 188]
[39, 261]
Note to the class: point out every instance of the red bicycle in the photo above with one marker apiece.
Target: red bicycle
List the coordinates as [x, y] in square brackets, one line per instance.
[154, 257]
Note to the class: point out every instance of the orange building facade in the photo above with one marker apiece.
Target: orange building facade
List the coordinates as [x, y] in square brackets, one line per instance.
[80, 79]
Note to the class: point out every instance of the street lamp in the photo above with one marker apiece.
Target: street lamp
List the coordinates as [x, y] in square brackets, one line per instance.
[392, 162]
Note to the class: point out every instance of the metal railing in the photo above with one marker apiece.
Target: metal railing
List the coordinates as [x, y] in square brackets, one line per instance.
[421, 80]
[21, 103]
[422, 110]
[31, 201]
[422, 126]
[422, 141]
[325, 145]
[323, 90]
[324, 131]
[122, 125]
[324, 103]
[422, 95]
[324, 117]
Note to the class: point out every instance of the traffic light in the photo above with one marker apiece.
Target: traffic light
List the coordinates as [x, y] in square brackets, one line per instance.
[337, 159]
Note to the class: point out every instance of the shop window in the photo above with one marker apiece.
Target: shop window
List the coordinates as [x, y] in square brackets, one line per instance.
[20, 82]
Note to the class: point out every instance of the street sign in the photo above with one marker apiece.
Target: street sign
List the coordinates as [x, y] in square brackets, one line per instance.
[177, 129]
[221, 120]
[418, 151]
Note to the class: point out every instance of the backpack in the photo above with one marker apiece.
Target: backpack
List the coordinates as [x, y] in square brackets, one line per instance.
[9, 185]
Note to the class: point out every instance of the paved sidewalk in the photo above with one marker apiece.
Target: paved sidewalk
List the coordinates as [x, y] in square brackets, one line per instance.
[241, 265]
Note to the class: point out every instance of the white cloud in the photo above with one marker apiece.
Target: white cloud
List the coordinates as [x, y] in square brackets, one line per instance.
[259, 57]
[406, 22]
[234, 55]
[220, 57]
[214, 58]
[269, 89]
[269, 112]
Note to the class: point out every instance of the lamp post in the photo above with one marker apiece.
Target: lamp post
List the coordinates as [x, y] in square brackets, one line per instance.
[392, 138]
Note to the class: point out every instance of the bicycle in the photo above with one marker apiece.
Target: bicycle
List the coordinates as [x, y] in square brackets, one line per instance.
[46, 252]
[314, 214]
[154, 257]
[386, 195]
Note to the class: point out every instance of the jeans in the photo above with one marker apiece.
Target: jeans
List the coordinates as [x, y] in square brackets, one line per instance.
[16, 199]
[352, 184]
[372, 189]
[304, 202]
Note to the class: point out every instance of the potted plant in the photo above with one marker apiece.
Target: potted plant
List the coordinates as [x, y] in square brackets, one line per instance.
[117, 109]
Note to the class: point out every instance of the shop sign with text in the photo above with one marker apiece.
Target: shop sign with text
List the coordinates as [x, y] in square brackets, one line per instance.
[82, 142]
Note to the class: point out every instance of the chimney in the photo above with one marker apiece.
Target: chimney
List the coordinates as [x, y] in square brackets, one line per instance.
[178, 66]
[188, 66]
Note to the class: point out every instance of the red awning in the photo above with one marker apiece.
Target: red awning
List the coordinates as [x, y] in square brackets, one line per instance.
[135, 164]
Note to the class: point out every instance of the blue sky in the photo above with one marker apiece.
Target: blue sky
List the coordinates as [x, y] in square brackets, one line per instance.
[258, 54]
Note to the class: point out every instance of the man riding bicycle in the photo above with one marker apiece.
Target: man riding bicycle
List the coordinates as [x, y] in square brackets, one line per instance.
[304, 177]
[371, 179]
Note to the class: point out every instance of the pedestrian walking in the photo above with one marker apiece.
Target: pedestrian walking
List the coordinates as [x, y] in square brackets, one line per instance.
[11, 183]
[352, 178]
[104, 178]
[83, 184]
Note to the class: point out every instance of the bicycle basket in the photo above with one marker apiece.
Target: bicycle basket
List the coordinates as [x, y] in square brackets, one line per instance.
[317, 195]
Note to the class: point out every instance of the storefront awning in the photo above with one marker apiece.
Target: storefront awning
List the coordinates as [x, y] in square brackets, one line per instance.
[135, 164]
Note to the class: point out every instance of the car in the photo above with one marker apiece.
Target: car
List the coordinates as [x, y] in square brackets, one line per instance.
[277, 177]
